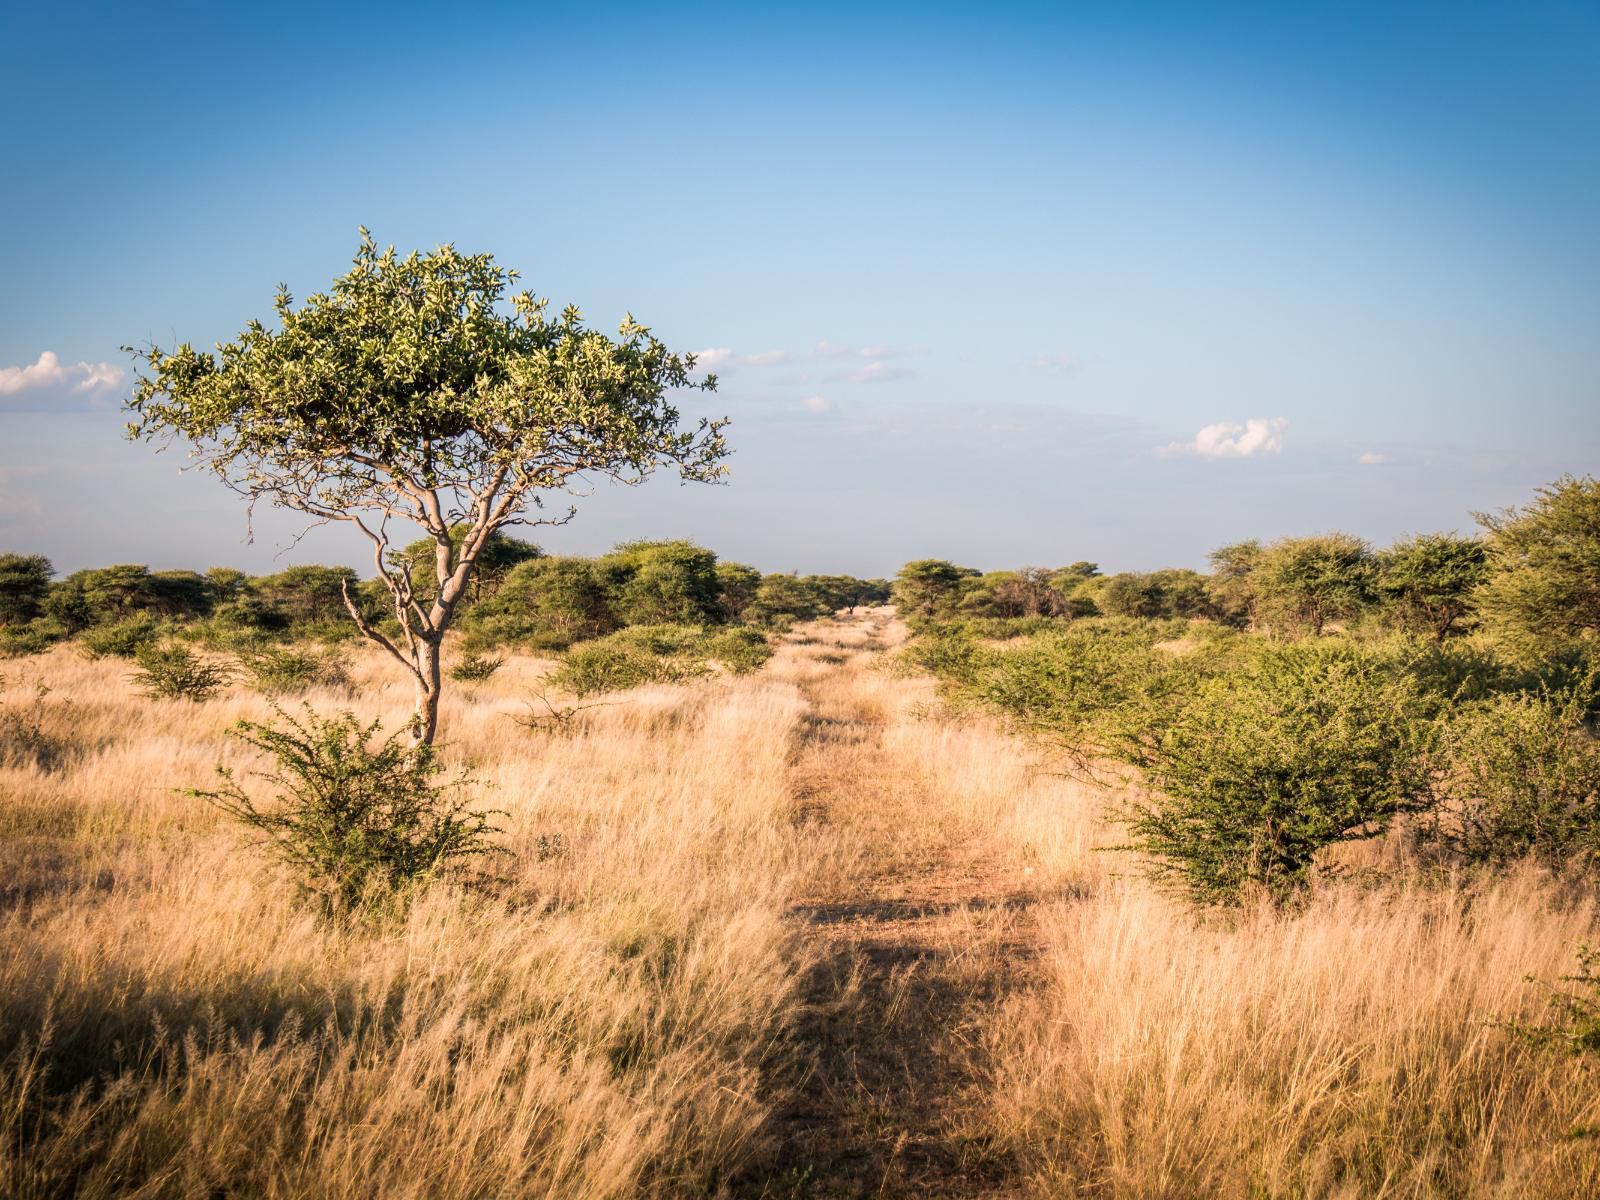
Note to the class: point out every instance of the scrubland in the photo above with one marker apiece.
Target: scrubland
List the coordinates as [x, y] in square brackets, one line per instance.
[814, 931]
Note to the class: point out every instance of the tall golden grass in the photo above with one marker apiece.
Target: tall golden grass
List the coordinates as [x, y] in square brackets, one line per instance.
[611, 1015]
[1354, 1048]
[173, 1021]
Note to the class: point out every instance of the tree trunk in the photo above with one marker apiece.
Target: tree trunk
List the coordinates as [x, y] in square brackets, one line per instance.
[425, 722]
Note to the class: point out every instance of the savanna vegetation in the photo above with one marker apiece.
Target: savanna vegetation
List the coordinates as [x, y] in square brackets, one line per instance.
[1275, 880]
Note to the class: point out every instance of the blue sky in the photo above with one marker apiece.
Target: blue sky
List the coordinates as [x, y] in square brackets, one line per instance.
[1003, 283]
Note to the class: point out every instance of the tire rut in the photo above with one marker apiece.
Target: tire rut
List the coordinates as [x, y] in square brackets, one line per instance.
[913, 954]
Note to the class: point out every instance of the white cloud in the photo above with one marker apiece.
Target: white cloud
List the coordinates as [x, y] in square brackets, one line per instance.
[879, 372]
[1372, 459]
[766, 358]
[723, 358]
[716, 356]
[50, 374]
[839, 350]
[817, 404]
[1229, 439]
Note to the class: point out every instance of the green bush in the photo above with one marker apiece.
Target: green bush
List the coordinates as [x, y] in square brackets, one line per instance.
[1001, 629]
[177, 673]
[358, 822]
[1450, 673]
[1299, 585]
[741, 651]
[1524, 777]
[930, 588]
[646, 654]
[1263, 766]
[1473, 669]
[950, 653]
[1080, 684]
[1572, 669]
[545, 604]
[782, 600]
[1427, 581]
[475, 668]
[277, 671]
[1544, 560]
[605, 666]
[120, 639]
[34, 637]
[1573, 1024]
[669, 582]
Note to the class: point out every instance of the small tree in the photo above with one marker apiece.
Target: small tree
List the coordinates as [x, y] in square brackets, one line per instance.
[304, 595]
[1545, 561]
[736, 587]
[1131, 595]
[24, 583]
[669, 582]
[1430, 578]
[1023, 593]
[405, 394]
[1303, 583]
[1075, 586]
[1184, 592]
[103, 594]
[781, 600]
[929, 587]
[1232, 586]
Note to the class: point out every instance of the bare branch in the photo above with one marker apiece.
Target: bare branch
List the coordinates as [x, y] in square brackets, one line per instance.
[372, 634]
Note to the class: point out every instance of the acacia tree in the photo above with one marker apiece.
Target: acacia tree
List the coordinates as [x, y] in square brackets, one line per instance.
[1306, 582]
[24, 583]
[1429, 578]
[929, 586]
[406, 394]
[1544, 562]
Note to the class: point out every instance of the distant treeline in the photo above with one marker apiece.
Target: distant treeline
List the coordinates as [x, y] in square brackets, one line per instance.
[1532, 575]
[519, 597]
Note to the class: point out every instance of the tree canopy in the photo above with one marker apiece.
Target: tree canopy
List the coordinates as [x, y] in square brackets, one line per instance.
[408, 393]
[1545, 561]
[24, 583]
[1429, 578]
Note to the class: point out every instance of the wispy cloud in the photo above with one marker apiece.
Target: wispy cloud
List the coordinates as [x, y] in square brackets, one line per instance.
[724, 358]
[48, 383]
[1372, 459]
[880, 372]
[1230, 439]
[766, 358]
[1061, 361]
[858, 364]
[839, 350]
[817, 404]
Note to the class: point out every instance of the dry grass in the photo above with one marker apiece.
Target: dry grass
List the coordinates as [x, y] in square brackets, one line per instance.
[805, 935]
[174, 1022]
[1350, 1049]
